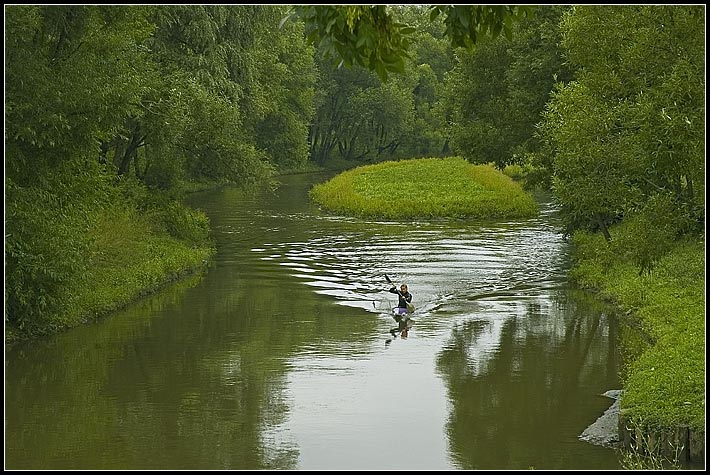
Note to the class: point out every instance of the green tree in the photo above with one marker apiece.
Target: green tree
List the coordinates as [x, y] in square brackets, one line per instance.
[631, 124]
[373, 38]
[495, 94]
[360, 116]
[288, 71]
[431, 58]
[230, 97]
[476, 95]
[70, 82]
[592, 174]
[333, 105]
[97, 96]
[193, 120]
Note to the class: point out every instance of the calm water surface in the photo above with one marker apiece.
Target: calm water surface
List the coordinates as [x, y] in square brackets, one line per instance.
[280, 356]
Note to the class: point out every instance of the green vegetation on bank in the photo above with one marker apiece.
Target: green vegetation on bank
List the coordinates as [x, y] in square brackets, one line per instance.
[112, 112]
[67, 265]
[424, 188]
[664, 384]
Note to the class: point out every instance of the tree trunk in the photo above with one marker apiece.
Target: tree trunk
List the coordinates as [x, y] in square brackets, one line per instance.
[131, 152]
[446, 150]
[604, 229]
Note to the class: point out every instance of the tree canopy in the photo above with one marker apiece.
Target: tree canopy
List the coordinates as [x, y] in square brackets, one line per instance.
[374, 38]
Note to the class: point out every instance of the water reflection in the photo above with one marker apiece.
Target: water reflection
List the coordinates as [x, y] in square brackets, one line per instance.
[153, 388]
[520, 384]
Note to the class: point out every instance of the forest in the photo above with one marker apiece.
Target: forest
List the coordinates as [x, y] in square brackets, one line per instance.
[113, 113]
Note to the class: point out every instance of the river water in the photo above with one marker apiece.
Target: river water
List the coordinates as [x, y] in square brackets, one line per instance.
[280, 356]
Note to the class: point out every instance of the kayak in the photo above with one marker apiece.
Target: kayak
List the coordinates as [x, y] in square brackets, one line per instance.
[399, 311]
[402, 310]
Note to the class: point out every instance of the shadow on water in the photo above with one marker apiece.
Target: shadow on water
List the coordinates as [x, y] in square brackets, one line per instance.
[276, 358]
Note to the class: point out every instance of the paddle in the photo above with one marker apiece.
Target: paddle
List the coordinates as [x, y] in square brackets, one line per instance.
[410, 307]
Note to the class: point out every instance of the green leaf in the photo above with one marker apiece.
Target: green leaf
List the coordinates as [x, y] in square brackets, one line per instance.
[285, 19]
[496, 30]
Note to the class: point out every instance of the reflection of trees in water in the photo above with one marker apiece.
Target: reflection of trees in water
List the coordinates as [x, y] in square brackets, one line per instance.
[513, 407]
[157, 387]
[57, 412]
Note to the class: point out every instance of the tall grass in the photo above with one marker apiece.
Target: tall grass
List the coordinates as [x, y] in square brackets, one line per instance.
[424, 188]
[131, 255]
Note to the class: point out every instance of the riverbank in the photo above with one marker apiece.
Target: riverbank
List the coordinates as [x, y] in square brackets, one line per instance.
[133, 254]
[129, 257]
[664, 375]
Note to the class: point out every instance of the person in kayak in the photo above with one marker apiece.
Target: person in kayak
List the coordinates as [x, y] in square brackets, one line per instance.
[404, 296]
[401, 313]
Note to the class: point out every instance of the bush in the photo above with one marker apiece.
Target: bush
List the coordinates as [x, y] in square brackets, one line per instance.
[652, 231]
[165, 213]
[186, 224]
[45, 245]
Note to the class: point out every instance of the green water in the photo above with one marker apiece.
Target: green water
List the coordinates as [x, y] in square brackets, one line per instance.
[280, 356]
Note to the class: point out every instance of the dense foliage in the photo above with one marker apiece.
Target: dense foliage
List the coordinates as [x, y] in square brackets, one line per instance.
[494, 95]
[109, 111]
[625, 138]
[374, 38]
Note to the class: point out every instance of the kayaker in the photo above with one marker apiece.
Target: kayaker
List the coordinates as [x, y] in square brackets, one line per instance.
[404, 295]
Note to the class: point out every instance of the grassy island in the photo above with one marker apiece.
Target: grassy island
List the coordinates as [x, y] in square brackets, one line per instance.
[424, 188]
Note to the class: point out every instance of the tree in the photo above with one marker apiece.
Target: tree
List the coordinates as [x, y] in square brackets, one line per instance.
[593, 160]
[432, 56]
[629, 130]
[71, 80]
[233, 96]
[288, 72]
[371, 36]
[360, 116]
[495, 93]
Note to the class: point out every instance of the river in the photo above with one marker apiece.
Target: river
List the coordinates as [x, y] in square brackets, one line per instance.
[280, 356]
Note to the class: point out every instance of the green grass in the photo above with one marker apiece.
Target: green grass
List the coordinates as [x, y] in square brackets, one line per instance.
[665, 383]
[129, 257]
[424, 188]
